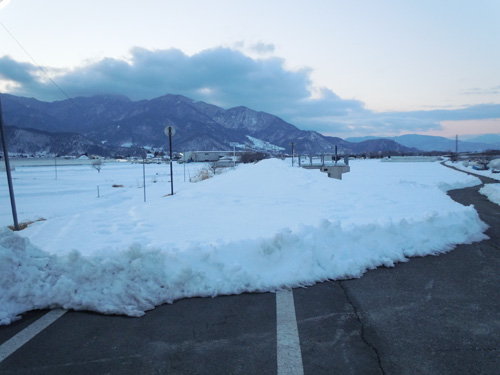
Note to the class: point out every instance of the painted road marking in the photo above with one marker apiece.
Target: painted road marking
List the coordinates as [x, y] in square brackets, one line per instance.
[14, 343]
[289, 354]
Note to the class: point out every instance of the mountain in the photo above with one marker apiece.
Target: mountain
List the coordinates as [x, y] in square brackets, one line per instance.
[484, 138]
[31, 141]
[362, 139]
[112, 124]
[433, 143]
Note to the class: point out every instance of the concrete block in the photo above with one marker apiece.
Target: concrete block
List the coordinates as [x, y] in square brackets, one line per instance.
[336, 171]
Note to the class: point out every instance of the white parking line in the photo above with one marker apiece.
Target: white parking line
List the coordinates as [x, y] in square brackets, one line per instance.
[14, 343]
[289, 354]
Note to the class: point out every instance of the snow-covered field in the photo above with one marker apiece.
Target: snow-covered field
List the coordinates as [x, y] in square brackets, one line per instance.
[260, 227]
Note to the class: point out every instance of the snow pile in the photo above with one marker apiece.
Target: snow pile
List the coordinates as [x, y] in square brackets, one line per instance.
[492, 192]
[467, 166]
[494, 164]
[257, 228]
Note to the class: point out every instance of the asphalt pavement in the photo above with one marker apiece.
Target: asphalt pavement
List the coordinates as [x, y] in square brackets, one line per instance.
[431, 315]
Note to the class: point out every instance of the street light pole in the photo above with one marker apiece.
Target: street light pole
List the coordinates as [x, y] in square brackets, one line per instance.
[7, 169]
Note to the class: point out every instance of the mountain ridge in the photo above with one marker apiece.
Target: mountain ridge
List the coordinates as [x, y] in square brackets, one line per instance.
[111, 122]
[434, 143]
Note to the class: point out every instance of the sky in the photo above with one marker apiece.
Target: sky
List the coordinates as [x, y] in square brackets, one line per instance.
[343, 68]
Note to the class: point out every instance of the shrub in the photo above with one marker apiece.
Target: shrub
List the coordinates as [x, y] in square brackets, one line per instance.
[207, 172]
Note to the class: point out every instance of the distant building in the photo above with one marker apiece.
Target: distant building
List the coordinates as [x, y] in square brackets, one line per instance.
[207, 156]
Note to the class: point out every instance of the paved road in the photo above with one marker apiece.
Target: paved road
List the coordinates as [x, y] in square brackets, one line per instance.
[431, 315]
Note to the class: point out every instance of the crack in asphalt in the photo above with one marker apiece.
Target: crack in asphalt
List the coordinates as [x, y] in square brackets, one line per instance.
[362, 329]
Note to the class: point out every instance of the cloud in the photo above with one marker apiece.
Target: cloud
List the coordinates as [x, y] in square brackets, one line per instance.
[369, 123]
[228, 78]
[398, 123]
[221, 76]
[482, 91]
[23, 74]
[262, 48]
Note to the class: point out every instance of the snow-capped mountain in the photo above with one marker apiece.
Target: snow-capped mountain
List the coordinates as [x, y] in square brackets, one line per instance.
[107, 123]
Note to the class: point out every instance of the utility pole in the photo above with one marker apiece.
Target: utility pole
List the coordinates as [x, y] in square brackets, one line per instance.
[7, 169]
[170, 131]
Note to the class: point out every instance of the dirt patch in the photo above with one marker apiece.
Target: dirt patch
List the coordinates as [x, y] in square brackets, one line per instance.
[25, 224]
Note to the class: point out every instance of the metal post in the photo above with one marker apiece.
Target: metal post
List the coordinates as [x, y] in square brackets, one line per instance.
[7, 169]
[55, 164]
[293, 152]
[171, 167]
[234, 144]
[144, 177]
[184, 166]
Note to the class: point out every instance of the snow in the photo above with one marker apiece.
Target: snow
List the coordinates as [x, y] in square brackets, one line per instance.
[467, 167]
[259, 144]
[494, 164]
[492, 192]
[259, 227]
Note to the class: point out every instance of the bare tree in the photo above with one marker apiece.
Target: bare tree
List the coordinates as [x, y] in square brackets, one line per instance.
[214, 167]
[97, 164]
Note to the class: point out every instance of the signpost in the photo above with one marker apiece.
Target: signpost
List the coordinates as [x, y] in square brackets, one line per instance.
[170, 131]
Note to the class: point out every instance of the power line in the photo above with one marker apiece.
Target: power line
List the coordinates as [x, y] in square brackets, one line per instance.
[35, 62]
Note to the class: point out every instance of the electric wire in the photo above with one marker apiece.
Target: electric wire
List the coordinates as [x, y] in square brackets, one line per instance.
[35, 62]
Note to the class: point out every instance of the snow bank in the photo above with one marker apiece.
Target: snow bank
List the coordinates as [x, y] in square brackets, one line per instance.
[492, 192]
[139, 279]
[494, 164]
[467, 166]
[261, 227]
